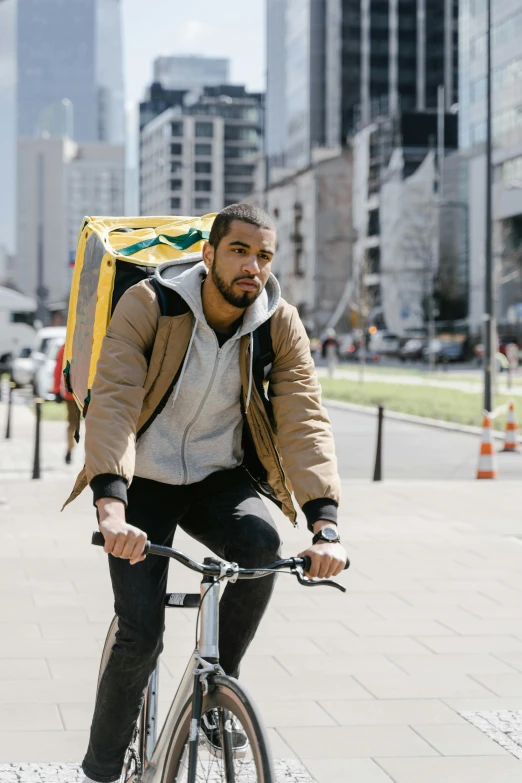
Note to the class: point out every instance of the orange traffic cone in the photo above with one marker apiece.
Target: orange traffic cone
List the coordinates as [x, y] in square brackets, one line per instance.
[511, 441]
[487, 468]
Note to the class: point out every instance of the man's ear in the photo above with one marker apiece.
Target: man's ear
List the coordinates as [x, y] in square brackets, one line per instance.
[208, 254]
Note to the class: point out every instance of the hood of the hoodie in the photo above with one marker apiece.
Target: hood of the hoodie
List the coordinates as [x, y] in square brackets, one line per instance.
[186, 275]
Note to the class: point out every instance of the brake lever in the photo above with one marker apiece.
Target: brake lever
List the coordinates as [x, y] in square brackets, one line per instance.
[304, 580]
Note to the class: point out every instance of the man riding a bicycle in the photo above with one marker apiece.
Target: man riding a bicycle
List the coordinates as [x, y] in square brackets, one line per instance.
[192, 415]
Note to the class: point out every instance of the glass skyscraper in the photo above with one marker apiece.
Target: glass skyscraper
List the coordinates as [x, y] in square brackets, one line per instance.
[334, 64]
[62, 74]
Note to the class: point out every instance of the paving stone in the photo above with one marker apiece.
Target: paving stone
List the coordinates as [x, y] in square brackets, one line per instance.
[479, 769]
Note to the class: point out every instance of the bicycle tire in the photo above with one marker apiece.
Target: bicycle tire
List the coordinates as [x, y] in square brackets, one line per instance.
[135, 756]
[226, 693]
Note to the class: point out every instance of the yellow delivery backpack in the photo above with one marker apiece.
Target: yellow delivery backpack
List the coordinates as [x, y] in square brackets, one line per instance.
[112, 255]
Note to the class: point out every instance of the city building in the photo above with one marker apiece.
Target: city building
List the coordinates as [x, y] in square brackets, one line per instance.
[507, 154]
[398, 217]
[191, 72]
[201, 154]
[296, 114]
[312, 212]
[59, 182]
[181, 164]
[335, 65]
[62, 75]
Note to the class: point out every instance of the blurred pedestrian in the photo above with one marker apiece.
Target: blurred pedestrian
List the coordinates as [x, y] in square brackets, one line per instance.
[62, 394]
[331, 351]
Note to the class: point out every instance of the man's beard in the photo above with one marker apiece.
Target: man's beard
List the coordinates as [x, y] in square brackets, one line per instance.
[242, 300]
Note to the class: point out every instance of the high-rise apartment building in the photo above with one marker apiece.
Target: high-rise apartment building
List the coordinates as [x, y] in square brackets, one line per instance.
[336, 64]
[62, 74]
[199, 157]
[191, 72]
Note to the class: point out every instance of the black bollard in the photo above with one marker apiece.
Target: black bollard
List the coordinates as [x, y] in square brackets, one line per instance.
[9, 409]
[36, 463]
[377, 473]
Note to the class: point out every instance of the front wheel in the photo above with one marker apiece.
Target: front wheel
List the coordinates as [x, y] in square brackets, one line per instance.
[227, 702]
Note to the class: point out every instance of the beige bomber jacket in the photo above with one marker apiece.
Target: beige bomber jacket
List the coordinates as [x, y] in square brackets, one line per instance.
[141, 354]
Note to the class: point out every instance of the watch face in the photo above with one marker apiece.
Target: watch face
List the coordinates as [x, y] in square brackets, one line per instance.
[329, 534]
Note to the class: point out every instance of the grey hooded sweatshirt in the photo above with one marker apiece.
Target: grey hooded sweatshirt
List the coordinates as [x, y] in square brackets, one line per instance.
[199, 431]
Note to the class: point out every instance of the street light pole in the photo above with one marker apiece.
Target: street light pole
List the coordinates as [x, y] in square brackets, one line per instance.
[489, 319]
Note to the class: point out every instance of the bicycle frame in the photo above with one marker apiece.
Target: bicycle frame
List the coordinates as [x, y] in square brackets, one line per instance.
[203, 662]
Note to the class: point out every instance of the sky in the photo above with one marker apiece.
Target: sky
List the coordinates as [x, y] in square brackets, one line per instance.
[223, 28]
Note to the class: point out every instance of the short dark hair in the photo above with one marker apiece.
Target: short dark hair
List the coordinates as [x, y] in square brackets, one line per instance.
[247, 213]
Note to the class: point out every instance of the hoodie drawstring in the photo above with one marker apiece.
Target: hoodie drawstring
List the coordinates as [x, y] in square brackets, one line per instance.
[178, 385]
[251, 373]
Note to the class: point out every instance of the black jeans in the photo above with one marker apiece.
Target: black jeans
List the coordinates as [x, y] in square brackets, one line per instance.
[225, 513]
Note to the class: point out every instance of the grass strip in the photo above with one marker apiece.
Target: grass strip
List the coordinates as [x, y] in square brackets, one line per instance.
[435, 403]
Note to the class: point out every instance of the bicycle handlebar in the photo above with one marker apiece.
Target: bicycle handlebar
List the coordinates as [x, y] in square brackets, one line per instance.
[213, 569]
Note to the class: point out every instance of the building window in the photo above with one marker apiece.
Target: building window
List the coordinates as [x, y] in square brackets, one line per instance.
[202, 167]
[175, 203]
[204, 130]
[241, 152]
[239, 170]
[240, 133]
[203, 149]
[176, 184]
[202, 203]
[175, 166]
[245, 188]
[176, 149]
[176, 129]
[203, 185]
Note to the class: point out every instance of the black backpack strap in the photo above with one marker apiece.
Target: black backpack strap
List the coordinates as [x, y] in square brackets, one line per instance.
[263, 351]
[170, 302]
[263, 360]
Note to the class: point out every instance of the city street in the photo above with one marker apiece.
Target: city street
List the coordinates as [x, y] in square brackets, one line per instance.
[411, 451]
[381, 684]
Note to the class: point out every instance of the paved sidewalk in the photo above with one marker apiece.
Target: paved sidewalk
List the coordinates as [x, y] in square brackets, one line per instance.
[368, 686]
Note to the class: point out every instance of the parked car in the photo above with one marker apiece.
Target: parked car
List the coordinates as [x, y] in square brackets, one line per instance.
[22, 368]
[445, 351]
[384, 343]
[412, 350]
[36, 366]
[45, 362]
[17, 314]
[349, 346]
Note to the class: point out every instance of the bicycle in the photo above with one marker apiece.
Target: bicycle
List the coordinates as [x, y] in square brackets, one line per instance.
[182, 753]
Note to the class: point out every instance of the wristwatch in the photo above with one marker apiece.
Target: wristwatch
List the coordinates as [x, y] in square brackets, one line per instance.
[330, 535]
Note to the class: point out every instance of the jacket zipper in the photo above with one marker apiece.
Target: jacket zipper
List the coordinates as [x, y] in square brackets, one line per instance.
[198, 412]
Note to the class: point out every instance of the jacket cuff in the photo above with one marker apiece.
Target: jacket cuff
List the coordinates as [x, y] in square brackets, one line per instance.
[107, 485]
[320, 508]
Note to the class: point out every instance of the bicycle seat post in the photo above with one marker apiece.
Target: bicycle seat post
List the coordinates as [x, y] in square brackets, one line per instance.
[209, 623]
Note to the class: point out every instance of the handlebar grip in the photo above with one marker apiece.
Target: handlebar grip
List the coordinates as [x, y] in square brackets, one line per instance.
[98, 540]
[307, 563]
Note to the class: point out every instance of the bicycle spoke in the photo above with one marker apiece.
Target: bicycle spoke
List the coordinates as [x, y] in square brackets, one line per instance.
[211, 768]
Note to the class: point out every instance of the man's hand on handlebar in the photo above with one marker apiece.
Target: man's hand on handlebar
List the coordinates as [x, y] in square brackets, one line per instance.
[327, 560]
[121, 539]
